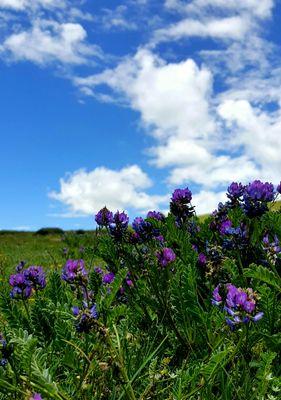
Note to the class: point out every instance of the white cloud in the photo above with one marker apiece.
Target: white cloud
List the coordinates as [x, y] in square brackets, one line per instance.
[219, 28]
[260, 8]
[171, 97]
[118, 18]
[207, 201]
[49, 41]
[22, 5]
[219, 19]
[257, 132]
[87, 192]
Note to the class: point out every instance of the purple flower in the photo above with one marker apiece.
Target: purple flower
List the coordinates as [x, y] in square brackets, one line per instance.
[235, 191]
[258, 316]
[165, 256]
[182, 196]
[273, 249]
[180, 205]
[85, 317]
[225, 227]
[98, 270]
[279, 188]
[3, 351]
[74, 272]
[216, 296]
[108, 278]
[144, 229]
[20, 266]
[119, 225]
[158, 216]
[36, 396]
[239, 304]
[202, 259]
[21, 287]
[104, 217]
[256, 196]
[36, 276]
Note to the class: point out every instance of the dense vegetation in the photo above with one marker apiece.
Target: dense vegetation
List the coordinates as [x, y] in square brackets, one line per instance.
[168, 308]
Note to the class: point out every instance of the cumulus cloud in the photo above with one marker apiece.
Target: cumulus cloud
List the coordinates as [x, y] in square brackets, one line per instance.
[257, 132]
[260, 8]
[218, 19]
[87, 192]
[171, 97]
[22, 5]
[49, 41]
[219, 28]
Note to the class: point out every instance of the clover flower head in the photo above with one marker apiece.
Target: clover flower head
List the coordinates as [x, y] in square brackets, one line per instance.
[157, 215]
[108, 278]
[74, 272]
[21, 287]
[3, 352]
[144, 229]
[272, 248]
[225, 227]
[181, 196]
[235, 191]
[256, 197]
[165, 256]
[36, 276]
[36, 396]
[239, 304]
[180, 205]
[85, 317]
[20, 266]
[202, 259]
[104, 217]
[119, 225]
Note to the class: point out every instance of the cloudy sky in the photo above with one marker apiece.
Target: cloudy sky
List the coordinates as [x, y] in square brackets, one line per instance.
[119, 102]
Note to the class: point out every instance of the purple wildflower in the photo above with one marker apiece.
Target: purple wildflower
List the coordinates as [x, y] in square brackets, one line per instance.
[85, 317]
[104, 217]
[98, 270]
[180, 205]
[21, 287]
[225, 227]
[119, 225]
[273, 249]
[165, 256]
[3, 352]
[157, 215]
[239, 304]
[235, 191]
[108, 278]
[20, 266]
[36, 276]
[202, 259]
[256, 196]
[36, 396]
[74, 272]
[182, 196]
[279, 188]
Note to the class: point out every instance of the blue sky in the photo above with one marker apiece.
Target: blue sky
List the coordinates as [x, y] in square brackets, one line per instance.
[120, 102]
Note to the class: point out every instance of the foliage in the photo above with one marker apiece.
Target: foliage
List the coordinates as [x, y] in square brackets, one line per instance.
[162, 310]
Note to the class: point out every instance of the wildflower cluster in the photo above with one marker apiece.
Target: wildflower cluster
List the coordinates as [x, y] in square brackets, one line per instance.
[74, 272]
[273, 249]
[239, 304]
[86, 317]
[180, 205]
[24, 282]
[3, 352]
[118, 226]
[165, 257]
